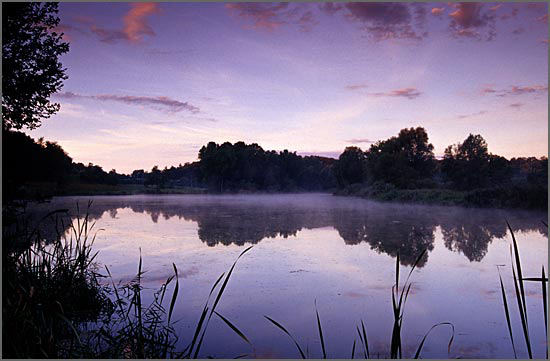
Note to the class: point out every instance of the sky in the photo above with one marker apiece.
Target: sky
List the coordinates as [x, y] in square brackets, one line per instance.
[150, 83]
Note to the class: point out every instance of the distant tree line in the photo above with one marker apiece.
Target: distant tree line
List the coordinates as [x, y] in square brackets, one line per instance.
[230, 167]
[402, 163]
[407, 162]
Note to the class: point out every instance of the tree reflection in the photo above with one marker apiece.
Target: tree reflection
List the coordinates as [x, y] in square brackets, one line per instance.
[387, 228]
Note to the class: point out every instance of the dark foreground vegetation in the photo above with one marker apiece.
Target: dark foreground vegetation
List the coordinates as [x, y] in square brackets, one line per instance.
[402, 168]
[57, 304]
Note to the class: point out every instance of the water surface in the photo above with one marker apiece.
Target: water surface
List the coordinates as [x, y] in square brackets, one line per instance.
[339, 251]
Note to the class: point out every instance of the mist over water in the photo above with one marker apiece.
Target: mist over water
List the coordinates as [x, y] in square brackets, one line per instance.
[338, 250]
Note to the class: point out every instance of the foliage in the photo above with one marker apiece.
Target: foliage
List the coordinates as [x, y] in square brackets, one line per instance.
[351, 167]
[54, 305]
[404, 161]
[231, 167]
[45, 286]
[31, 70]
[469, 165]
[401, 168]
[25, 160]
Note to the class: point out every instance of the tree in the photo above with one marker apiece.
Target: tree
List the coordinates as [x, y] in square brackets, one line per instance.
[469, 164]
[406, 161]
[350, 167]
[31, 70]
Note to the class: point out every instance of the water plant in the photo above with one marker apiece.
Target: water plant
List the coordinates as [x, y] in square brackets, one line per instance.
[519, 289]
[46, 285]
[55, 304]
[399, 299]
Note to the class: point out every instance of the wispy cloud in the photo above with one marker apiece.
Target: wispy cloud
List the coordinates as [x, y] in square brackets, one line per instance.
[518, 31]
[166, 103]
[135, 25]
[437, 11]
[388, 20]
[516, 90]
[473, 21]
[69, 31]
[464, 116]
[409, 93]
[516, 105]
[356, 86]
[270, 16]
[360, 140]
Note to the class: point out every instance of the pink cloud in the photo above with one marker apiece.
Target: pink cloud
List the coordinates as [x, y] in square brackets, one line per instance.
[543, 19]
[135, 24]
[469, 19]
[438, 11]
[516, 90]
[271, 16]
[356, 86]
[409, 93]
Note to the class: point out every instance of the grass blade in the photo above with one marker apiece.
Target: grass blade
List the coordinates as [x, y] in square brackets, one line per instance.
[174, 295]
[417, 354]
[520, 275]
[320, 332]
[545, 307]
[365, 337]
[233, 327]
[217, 300]
[353, 350]
[507, 313]
[226, 280]
[289, 335]
[522, 315]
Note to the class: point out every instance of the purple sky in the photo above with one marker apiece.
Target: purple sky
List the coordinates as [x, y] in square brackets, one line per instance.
[150, 83]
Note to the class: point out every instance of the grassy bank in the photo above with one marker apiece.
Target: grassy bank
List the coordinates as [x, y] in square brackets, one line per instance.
[36, 190]
[518, 196]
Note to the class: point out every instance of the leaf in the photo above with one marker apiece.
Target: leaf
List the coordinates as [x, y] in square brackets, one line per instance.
[233, 327]
[289, 335]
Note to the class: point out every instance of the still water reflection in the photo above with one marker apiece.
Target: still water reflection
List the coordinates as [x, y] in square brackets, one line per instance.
[340, 251]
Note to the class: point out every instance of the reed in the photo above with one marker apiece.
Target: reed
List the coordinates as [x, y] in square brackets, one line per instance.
[399, 299]
[519, 288]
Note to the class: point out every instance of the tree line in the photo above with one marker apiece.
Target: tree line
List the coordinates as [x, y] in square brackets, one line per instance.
[400, 163]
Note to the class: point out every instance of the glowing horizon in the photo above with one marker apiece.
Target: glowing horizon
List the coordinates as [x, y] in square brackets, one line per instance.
[150, 83]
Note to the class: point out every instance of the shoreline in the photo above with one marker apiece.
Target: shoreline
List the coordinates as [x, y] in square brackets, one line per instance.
[479, 198]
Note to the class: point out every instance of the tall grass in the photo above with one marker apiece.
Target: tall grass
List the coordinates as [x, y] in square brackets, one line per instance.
[399, 299]
[55, 305]
[45, 286]
[519, 289]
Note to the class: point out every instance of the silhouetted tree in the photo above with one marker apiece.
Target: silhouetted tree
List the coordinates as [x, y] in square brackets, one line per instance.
[240, 166]
[351, 167]
[469, 165]
[155, 177]
[31, 70]
[406, 161]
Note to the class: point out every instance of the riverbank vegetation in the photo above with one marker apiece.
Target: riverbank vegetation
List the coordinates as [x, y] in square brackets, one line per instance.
[57, 303]
[402, 168]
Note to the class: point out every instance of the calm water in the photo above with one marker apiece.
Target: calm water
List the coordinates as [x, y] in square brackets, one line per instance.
[338, 251]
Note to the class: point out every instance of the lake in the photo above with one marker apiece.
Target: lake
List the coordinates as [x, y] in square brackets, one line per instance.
[338, 251]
